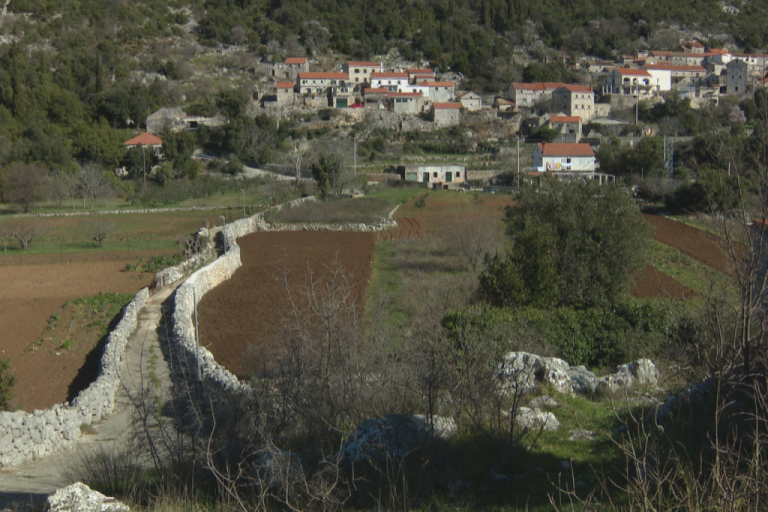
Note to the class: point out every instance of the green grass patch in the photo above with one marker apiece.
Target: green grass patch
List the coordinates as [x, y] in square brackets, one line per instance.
[696, 276]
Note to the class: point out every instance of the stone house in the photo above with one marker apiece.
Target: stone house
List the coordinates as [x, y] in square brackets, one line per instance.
[289, 68]
[568, 126]
[416, 75]
[360, 72]
[470, 101]
[445, 114]
[285, 93]
[737, 77]
[439, 91]
[626, 81]
[392, 81]
[527, 95]
[297, 63]
[405, 102]
[375, 98]
[552, 156]
[176, 120]
[693, 47]
[575, 100]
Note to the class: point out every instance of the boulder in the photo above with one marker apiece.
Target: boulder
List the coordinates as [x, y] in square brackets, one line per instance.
[583, 380]
[544, 402]
[79, 497]
[522, 370]
[392, 437]
[641, 372]
[536, 419]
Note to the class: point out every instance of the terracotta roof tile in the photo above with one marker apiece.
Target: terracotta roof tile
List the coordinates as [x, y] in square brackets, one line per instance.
[296, 60]
[445, 106]
[145, 139]
[565, 119]
[555, 149]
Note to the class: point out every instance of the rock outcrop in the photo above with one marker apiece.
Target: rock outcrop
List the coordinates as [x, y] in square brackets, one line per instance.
[79, 497]
[536, 419]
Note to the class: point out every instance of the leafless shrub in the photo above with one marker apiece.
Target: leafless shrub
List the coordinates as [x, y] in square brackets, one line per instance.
[61, 187]
[26, 231]
[99, 230]
[24, 184]
[93, 185]
[471, 235]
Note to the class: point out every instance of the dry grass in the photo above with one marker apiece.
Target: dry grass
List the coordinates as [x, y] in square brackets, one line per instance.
[365, 210]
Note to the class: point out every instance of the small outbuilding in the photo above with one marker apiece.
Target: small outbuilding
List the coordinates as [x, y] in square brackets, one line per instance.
[470, 101]
[445, 114]
[146, 140]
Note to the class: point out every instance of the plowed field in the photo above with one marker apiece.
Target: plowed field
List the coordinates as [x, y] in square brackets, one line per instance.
[655, 283]
[691, 241]
[29, 295]
[249, 308]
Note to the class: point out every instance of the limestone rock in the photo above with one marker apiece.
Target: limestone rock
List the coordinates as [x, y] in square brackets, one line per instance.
[583, 380]
[79, 497]
[536, 419]
[522, 370]
[544, 402]
[392, 437]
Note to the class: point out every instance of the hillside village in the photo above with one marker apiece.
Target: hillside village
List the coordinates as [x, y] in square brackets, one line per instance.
[426, 98]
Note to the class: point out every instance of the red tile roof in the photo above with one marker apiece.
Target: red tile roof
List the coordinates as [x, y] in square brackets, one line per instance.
[375, 90]
[441, 106]
[695, 44]
[323, 75]
[577, 88]
[296, 60]
[145, 139]
[565, 119]
[420, 71]
[285, 85]
[389, 75]
[358, 64]
[542, 86]
[404, 95]
[674, 67]
[437, 84]
[633, 72]
[555, 149]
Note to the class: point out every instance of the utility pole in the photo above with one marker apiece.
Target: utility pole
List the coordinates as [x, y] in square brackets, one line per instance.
[637, 104]
[243, 191]
[144, 160]
[518, 161]
[354, 157]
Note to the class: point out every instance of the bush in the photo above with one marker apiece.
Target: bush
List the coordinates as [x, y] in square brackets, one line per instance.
[7, 381]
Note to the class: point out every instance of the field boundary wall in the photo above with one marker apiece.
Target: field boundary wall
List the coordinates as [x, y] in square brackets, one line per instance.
[215, 273]
[25, 436]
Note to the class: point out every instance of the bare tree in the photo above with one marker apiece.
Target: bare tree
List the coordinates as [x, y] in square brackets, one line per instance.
[99, 231]
[24, 184]
[296, 157]
[92, 184]
[471, 236]
[26, 231]
[61, 187]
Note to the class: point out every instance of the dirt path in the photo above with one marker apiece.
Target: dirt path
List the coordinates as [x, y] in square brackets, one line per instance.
[31, 483]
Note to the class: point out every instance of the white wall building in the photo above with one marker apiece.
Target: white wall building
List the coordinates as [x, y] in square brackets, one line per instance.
[551, 156]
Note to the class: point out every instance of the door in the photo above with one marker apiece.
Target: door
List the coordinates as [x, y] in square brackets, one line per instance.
[341, 103]
[448, 177]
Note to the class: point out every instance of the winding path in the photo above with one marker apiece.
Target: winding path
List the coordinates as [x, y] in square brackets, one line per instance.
[144, 365]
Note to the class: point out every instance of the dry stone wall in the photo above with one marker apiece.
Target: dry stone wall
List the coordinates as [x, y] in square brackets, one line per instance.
[25, 436]
[210, 276]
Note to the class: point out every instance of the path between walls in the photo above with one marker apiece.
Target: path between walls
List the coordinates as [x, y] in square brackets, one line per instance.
[33, 482]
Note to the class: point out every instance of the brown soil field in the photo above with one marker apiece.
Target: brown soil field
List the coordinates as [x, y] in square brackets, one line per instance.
[29, 296]
[655, 283]
[407, 228]
[248, 308]
[691, 241]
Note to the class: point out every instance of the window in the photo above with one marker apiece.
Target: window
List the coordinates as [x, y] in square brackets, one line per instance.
[357, 71]
[434, 175]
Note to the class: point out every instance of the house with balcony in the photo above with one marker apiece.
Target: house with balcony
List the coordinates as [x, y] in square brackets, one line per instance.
[632, 82]
[321, 82]
[553, 156]
[360, 72]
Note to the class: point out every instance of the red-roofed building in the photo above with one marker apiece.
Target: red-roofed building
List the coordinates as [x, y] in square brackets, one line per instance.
[527, 95]
[375, 98]
[145, 139]
[360, 72]
[568, 126]
[297, 63]
[552, 156]
[470, 100]
[575, 100]
[669, 76]
[285, 93]
[439, 91]
[445, 114]
[319, 82]
[416, 75]
[693, 47]
[392, 81]
[634, 82]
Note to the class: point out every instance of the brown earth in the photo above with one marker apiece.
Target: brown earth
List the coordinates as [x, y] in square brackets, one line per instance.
[655, 283]
[408, 228]
[691, 241]
[249, 308]
[30, 294]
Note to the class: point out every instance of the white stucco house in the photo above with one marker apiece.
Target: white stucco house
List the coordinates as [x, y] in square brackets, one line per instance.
[551, 156]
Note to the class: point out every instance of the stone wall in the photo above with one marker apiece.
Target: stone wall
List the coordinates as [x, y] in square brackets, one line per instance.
[25, 436]
[210, 276]
[129, 211]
